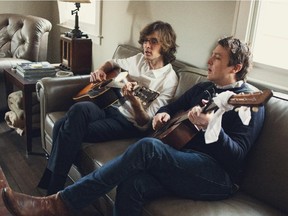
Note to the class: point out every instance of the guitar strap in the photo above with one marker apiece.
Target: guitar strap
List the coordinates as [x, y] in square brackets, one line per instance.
[209, 93]
[121, 100]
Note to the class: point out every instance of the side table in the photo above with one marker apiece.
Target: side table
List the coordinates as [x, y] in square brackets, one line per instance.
[28, 87]
[76, 54]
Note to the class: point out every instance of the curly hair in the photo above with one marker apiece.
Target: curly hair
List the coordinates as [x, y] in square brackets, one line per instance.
[240, 53]
[167, 39]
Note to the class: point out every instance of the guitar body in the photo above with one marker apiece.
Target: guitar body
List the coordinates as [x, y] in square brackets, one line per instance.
[84, 93]
[98, 93]
[178, 131]
[103, 95]
[176, 135]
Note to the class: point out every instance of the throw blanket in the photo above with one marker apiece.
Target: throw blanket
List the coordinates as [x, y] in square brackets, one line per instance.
[15, 101]
[15, 118]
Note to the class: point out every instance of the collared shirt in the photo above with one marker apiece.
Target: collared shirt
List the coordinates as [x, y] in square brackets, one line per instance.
[233, 85]
[163, 80]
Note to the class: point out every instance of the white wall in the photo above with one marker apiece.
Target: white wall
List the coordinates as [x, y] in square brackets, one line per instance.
[198, 24]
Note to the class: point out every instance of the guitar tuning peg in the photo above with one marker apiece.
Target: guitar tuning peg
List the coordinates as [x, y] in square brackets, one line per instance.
[255, 109]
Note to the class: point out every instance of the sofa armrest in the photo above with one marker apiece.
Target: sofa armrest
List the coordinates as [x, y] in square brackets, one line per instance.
[55, 94]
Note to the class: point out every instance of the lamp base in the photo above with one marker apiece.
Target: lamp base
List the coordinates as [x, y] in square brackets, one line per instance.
[75, 33]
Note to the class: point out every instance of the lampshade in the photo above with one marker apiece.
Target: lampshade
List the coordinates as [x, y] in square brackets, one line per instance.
[77, 1]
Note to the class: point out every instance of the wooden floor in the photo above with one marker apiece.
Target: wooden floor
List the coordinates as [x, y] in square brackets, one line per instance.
[22, 172]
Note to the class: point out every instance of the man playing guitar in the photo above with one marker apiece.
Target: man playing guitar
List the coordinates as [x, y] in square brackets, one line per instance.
[86, 121]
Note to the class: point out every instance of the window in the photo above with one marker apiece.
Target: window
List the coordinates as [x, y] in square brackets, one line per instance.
[271, 34]
[263, 24]
[89, 18]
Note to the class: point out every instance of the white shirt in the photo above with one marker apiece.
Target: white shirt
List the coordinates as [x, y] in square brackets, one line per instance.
[163, 80]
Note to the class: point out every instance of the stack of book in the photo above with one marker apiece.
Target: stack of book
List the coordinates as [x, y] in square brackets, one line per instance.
[36, 70]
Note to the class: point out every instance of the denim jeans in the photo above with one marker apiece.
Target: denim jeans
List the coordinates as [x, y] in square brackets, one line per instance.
[148, 170]
[85, 121]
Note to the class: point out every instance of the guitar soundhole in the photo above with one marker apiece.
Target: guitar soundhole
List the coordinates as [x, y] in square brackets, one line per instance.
[95, 92]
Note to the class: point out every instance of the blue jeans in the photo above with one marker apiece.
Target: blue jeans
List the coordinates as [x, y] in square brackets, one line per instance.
[85, 121]
[148, 170]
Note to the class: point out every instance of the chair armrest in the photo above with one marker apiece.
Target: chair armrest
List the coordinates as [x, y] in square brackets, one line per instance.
[55, 94]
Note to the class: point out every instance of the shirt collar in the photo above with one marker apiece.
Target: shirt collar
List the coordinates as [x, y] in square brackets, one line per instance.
[159, 72]
[232, 85]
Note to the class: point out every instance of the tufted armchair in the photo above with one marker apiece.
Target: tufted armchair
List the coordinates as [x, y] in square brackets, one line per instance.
[23, 38]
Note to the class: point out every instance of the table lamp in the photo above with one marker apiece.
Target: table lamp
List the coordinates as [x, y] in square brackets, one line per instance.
[76, 32]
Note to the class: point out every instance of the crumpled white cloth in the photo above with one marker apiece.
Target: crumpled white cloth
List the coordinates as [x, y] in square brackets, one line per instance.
[221, 100]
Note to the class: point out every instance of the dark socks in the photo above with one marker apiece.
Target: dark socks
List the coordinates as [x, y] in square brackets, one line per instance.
[52, 182]
[45, 180]
[57, 183]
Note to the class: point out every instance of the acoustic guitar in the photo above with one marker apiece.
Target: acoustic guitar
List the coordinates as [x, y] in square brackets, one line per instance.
[106, 93]
[178, 131]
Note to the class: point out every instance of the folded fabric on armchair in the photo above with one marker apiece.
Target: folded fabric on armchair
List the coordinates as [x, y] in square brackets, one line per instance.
[16, 99]
[15, 118]
[16, 121]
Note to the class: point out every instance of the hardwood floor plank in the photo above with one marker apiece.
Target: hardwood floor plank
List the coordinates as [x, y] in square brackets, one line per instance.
[22, 172]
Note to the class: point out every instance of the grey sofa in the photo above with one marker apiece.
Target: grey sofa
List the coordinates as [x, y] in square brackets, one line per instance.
[264, 191]
[23, 38]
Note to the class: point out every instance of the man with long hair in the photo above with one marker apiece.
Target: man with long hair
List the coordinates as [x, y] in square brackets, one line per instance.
[86, 121]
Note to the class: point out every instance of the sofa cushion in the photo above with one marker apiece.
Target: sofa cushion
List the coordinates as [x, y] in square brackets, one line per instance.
[94, 155]
[266, 177]
[125, 52]
[239, 204]
[189, 76]
[5, 53]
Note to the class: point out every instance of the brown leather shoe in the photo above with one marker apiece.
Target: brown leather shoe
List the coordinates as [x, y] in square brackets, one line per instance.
[3, 180]
[24, 205]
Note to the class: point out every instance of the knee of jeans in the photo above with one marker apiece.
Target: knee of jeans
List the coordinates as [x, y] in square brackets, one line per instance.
[149, 143]
[79, 106]
[82, 108]
[75, 108]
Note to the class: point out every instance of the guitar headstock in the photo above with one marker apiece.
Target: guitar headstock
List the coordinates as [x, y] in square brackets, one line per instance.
[251, 99]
